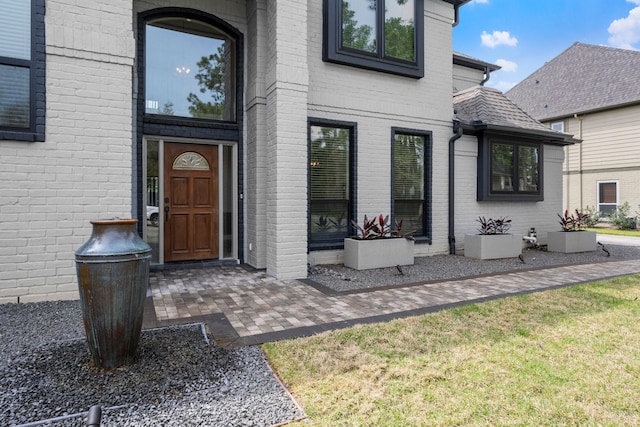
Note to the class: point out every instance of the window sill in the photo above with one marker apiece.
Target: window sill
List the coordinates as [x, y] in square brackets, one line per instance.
[188, 121]
[386, 66]
[326, 246]
[512, 198]
[21, 136]
[422, 240]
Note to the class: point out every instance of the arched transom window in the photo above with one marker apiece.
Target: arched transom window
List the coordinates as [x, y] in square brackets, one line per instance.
[189, 70]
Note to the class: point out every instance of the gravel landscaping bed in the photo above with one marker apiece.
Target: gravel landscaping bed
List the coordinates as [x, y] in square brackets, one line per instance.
[443, 267]
[180, 378]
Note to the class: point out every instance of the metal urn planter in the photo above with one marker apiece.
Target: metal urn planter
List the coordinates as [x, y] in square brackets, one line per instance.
[113, 276]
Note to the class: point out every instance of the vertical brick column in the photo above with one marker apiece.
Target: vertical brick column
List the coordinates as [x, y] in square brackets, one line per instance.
[287, 86]
[256, 122]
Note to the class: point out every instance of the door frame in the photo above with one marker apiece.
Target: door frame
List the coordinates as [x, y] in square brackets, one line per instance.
[222, 183]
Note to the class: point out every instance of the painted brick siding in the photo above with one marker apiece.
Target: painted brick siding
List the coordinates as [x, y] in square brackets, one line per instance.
[256, 189]
[51, 190]
[286, 89]
[524, 215]
[377, 102]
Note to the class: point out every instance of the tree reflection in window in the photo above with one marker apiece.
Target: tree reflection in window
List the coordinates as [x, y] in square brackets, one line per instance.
[409, 182]
[502, 167]
[360, 30]
[190, 70]
[514, 168]
[329, 183]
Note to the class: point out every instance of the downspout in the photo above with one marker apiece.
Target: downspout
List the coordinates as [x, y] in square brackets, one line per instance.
[579, 119]
[487, 75]
[457, 133]
[456, 15]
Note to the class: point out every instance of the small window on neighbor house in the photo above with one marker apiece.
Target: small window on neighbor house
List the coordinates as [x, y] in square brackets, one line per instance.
[510, 170]
[411, 180]
[558, 126]
[607, 197]
[22, 70]
[330, 191]
[382, 35]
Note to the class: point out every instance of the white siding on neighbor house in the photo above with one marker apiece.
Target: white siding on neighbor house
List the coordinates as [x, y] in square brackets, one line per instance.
[49, 191]
[377, 102]
[523, 215]
[609, 151]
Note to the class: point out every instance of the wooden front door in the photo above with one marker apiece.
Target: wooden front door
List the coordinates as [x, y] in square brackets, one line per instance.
[190, 202]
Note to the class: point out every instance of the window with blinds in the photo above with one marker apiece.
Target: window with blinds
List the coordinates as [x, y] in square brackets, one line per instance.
[607, 197]
[411, 154]
[329, 183]
[22, 70]
[15, 63]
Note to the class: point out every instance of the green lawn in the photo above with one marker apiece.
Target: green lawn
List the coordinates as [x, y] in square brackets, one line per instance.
[635, 233]
[563, 357]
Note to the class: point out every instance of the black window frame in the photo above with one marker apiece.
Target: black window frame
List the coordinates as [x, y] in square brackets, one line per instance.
[485, 167]
[352, 161]
[37, 93]
[186, 127]
[333, 51]
[162, 125]
[427, 204]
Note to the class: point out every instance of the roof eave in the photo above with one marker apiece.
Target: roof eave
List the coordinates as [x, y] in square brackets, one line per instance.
[457, 2]
[548, 137]
[474, 63]
[590, 111]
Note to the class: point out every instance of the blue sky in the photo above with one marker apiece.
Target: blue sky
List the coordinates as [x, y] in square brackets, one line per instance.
[521, 35]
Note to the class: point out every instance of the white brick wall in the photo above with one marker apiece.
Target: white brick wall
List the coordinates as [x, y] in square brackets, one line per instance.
[377, 102]
[286, 95]
[524, 215]
[51, 190]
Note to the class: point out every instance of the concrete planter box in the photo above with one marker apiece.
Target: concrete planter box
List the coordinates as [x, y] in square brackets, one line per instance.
[492, 246]
[571, 241]
[377, 253]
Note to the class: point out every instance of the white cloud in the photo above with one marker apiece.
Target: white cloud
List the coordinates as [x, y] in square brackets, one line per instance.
[509, 66]
[501, 85]
[498, 38]
[625, 32]
[484, 1]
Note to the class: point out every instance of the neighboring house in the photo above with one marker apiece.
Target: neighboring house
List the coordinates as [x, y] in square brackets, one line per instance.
[591, 92]
[258, 129]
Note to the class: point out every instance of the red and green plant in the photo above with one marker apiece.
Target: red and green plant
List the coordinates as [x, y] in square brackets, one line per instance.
[494, 226]
[379, 228]
[573, 222]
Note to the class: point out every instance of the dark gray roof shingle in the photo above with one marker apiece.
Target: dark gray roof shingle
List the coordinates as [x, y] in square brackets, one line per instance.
[582, 78]
[490, 106]
[480, 106]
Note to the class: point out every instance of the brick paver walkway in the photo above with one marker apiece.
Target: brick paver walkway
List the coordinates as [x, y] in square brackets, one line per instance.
[245, 307]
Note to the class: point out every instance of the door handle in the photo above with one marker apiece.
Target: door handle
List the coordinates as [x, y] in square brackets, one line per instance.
[166, 213]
